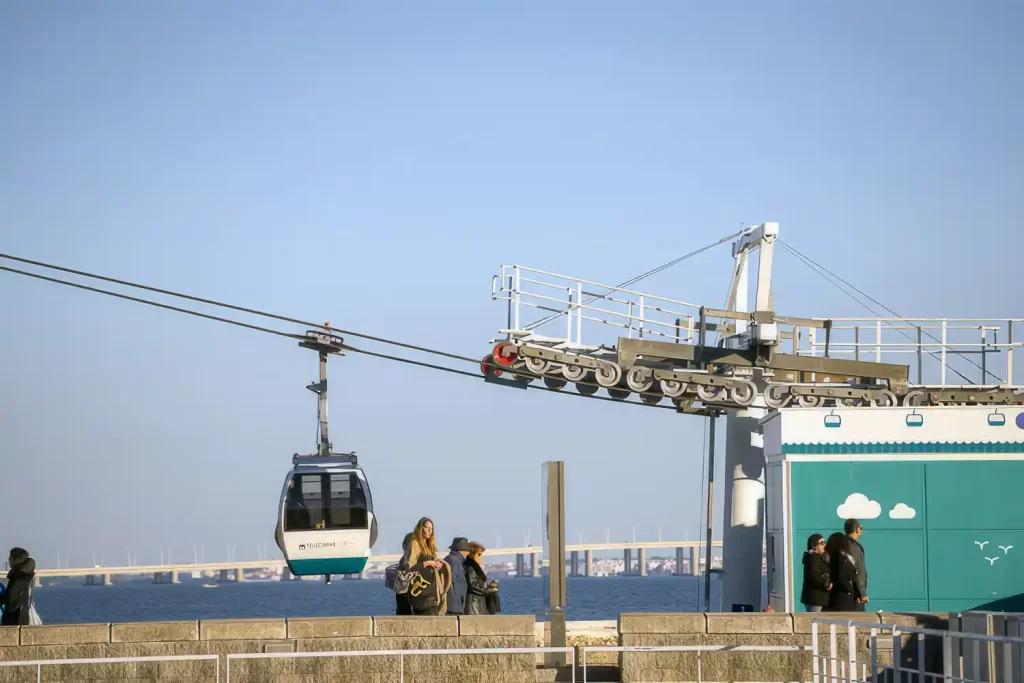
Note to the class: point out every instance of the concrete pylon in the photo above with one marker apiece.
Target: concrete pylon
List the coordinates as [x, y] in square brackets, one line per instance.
[743, 526]
[627, 562]
[588, 562]
[641, 561]
[535, 565]
[694, 562]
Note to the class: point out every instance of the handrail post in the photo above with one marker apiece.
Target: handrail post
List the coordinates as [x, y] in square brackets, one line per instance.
[851, 651]
[1009, 353]
[517, 286]
[942, 380]
[833, 652]
[897, 673]
[641, 317]
[874, 654]
[579, 312]
[815, 653]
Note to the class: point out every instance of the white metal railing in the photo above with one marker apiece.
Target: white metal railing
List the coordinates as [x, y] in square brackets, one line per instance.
[402, 654]
[940, 351]
[699, 649]
[576, 302]
[830, 668]
[40, 663]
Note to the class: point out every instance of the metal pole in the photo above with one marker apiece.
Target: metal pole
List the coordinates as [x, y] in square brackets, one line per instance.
[711, 481]
[554, 542]
[325, 441]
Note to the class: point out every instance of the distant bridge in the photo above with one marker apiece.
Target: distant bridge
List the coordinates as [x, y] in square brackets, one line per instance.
[169, 572]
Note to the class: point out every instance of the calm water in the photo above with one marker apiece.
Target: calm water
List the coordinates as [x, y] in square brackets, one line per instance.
[588, 599]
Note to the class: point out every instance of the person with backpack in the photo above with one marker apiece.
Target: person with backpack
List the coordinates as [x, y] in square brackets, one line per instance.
[422, 578]
[402, 607]
[17, 603]
[458, 551]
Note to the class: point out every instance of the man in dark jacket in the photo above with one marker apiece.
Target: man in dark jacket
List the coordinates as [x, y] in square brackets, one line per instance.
[19, 584]
[457, 561]
[853, 531]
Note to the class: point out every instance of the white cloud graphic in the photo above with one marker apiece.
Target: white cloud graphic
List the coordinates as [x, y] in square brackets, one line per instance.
[858, 505]
[902, 511]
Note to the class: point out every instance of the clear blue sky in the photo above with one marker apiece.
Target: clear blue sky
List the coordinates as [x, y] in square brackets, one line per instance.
[373, 164]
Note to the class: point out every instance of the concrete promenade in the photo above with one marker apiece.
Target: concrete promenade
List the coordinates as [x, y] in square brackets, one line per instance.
[221, 637]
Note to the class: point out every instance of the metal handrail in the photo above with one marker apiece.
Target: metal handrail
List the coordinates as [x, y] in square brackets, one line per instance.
[699, 649]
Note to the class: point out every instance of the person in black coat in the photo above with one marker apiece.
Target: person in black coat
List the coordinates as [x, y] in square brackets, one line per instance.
[844, 596]
[19, 586]
[817, 575]
[479, 592]
[402, 606]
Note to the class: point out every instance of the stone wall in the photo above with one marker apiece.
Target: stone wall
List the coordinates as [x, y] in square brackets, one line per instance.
[256, 635]
[221, 637]
[745, 629]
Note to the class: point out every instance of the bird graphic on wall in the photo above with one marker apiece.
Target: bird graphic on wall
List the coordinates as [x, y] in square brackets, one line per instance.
[991, 560]
[1005, 548]
[981, 544]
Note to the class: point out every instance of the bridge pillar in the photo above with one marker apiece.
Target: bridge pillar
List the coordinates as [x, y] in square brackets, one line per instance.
[286, 574]
[641, 561]
[174, 577]
[239, 575]
[694, 561]
[680, 561]
[535, 565]
[224, 575]
[588, 562]
[37, 582]
[627, 562]
[574, 563]
[520, 565]
[107, 581]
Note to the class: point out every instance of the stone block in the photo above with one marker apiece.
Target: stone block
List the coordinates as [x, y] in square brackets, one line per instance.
[802, 620]
[9, 636]
[65, 635]
[243, 629]
[662, 623]
[750, 622]
[330, 627]
[495, 625]
[416, 627]
[154, 632]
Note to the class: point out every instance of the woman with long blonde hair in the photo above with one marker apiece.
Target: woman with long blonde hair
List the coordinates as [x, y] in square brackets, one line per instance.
[430, 585]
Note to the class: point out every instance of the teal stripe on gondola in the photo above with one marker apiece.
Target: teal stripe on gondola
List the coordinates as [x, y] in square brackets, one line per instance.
[880, 448]
[328, 565]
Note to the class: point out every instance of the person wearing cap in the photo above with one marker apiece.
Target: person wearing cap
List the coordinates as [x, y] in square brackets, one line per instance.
[459, 551]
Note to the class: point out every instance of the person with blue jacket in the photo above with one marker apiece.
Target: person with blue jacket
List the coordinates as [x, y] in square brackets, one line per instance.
[459, 551]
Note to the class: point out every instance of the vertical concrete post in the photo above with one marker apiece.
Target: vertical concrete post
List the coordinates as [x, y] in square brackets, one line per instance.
[520, 564]
[743, 527]
[680, 562]
[224, 575]
[694, 562]
[107, 580]
[627, 562]
[574, 563]
[37, 582]
[588, 562]
[286, 574]
[535, 565]
[174, 576]
[641, 561]
[239, 575]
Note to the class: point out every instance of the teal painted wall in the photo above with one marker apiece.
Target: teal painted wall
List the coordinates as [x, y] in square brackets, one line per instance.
[930, 561]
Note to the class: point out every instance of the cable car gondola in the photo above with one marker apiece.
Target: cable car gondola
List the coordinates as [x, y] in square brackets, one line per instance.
[325, 520]
[326, 516]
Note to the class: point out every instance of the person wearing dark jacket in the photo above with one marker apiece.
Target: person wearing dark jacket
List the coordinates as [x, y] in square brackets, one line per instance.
[456, 559]
[19, 586]
[402, 606]
[853, 531]
[817, 580]
[478, 590]
[844, 596]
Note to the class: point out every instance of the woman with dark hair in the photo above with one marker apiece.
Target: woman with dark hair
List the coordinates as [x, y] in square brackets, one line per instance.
[480, 595]
[844, 596]
[817, 580]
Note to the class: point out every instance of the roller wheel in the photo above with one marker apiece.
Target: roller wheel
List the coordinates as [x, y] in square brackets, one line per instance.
[707, 392]
[809, 400]
[650, 399]
[574, 373]
[673, 388]
[744, 393]
[505, 354]
[639, 379]
[914, 398]
[487, 368]
[554, 382]
[777, 396]
[537, 366]
[608, 374]
[618, 394]
[586, 389]
[887, 399]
